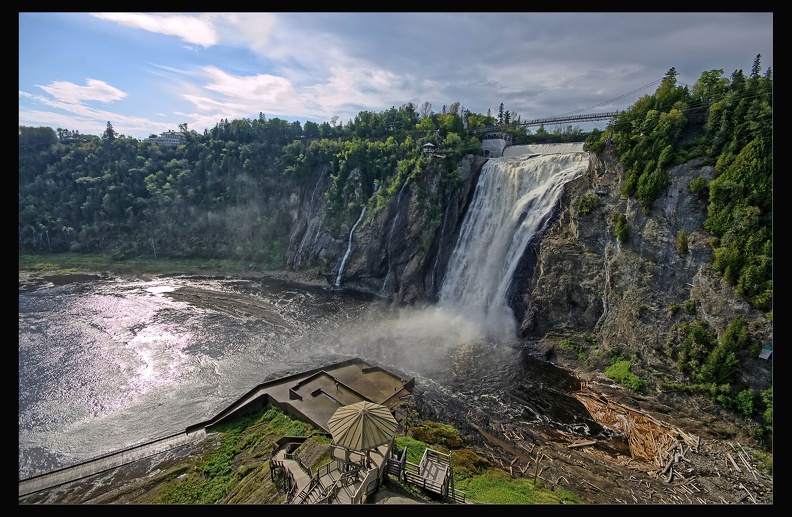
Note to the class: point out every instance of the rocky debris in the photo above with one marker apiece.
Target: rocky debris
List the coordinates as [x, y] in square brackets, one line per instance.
[690, 468]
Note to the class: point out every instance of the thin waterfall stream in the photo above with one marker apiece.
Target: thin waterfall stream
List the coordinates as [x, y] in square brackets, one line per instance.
[349, 249]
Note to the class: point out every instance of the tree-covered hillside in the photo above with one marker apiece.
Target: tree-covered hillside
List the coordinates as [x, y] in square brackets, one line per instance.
[222, 194]
[728, 123]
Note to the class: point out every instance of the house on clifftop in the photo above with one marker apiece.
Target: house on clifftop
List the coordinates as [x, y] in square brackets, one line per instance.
[169, 138]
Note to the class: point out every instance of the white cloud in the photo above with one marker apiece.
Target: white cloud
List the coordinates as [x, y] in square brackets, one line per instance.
[95, 90]
[261, 87]
[85, 118]
[346, 91]
[192, 29]
[35, 118]
[252, 30]
[225, 95]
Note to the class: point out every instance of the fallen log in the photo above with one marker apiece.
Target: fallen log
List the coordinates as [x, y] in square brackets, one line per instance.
[668, 466]
[593, 486]
[747, 465]
[749, 493]
[530, 450]
[737, 467]
[585, 443]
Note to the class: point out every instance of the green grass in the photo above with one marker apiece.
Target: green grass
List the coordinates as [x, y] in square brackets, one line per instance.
[620, 372]
[497, 487]
[474, 475]
[220, 472]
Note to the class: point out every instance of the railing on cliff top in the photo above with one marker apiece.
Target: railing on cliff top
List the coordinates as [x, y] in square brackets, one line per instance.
[591, 117]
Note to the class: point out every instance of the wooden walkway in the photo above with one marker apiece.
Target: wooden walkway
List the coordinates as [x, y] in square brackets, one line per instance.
[335, 482]
[434, 474]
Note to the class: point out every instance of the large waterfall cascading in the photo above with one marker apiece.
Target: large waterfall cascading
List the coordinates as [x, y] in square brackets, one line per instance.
[512, 203]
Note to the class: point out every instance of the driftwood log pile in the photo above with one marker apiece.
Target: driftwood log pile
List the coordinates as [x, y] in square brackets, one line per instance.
[650, 440]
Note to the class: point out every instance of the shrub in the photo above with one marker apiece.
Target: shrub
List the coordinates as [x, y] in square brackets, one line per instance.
[620, 372]
[718, 366]
[587, 204]
[468, 464]
[700, 188]
[735, 338]
[745, 403]
[439, 434]
[682, 242]
[568, 344]
[621, 228]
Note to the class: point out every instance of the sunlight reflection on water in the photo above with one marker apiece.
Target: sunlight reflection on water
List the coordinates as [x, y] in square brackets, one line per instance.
[105, 364]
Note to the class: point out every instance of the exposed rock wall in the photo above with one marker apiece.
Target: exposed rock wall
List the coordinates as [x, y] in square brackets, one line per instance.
[614, 298]
[576, 282]
[398, 253]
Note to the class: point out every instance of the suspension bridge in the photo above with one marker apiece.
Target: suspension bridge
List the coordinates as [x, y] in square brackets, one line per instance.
[496, 139]
[591, 117]
[571, 117]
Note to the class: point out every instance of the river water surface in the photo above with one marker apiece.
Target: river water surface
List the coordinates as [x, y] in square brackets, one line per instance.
[105, 364]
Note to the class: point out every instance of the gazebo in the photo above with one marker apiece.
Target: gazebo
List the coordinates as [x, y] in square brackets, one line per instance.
[358, 428]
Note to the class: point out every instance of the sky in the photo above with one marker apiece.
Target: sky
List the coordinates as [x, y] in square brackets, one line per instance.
[147, 73]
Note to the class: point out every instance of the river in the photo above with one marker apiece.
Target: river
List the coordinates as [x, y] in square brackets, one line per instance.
[107, 363]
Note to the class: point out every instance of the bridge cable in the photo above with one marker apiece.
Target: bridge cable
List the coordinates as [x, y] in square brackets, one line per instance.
[611, 100]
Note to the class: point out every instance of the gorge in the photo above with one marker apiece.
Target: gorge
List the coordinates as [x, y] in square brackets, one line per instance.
[561, 277]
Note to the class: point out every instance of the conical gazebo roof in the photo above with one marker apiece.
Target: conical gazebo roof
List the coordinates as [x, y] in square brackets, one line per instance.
[362, 426]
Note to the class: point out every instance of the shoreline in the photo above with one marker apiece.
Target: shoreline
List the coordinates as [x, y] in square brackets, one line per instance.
[58, 272]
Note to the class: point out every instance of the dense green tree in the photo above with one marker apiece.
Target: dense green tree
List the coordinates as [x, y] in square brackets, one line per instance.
[109, 133]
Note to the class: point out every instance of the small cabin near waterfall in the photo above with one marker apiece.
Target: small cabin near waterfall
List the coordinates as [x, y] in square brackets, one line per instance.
[430, 151]
[494, 142]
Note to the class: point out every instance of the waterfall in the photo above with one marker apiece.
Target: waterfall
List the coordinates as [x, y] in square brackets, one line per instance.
[349, 249]
[512, 203]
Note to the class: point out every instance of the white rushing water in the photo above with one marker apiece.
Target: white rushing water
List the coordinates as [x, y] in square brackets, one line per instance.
[349, 249]
[514, 151]
[513, 201]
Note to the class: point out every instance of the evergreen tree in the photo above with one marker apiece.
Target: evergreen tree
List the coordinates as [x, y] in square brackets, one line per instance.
[756, 68]
[109, 133]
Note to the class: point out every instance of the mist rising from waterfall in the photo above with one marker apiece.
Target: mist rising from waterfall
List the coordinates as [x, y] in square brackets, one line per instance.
[512, 203]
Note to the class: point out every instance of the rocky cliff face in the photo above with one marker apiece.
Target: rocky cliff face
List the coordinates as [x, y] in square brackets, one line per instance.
[624, 298]
[398, 253]
[576, 283]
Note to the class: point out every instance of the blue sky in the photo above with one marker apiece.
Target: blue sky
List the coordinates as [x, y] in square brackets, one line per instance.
[149, 72]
